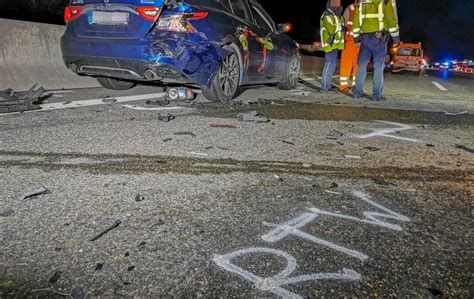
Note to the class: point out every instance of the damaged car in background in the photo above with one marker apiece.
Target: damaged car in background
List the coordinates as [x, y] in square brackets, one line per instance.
[217, 45]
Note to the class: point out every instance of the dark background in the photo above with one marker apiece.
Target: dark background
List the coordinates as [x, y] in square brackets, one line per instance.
[445, 27]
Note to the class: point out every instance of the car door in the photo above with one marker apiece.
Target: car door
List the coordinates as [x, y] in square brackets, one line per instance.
[272, 46]
[248, 33]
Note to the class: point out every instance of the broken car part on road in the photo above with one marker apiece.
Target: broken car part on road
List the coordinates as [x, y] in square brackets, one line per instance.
[253, 116]
[114, 226]
[11, 101]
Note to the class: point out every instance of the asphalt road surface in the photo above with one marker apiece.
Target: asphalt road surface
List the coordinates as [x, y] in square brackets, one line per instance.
[331, 197]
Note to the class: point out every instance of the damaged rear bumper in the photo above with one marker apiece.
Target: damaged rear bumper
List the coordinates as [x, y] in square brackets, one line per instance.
[161, 56]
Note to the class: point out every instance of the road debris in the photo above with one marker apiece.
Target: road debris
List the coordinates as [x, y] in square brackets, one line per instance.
[252, 116]
[166, 117]
[167, 140]
[383, 183]
[160, 103]
[99, 267]
[332, 192]
[301, 93]
[7, 213]
[288, 142]
[109, 100]
[114, 226]
[160, 222]
[280, 179]
[262, 102]
[223, 126]
[185, 133]
[198, 154]
[372, 148]
[430, 145]
[37, 192]
[131, 268]
[353, 157]
[78, 293]
[334, 135]
[56, 276]
[139, 198]
[334, 185]
[11, 101]
[141, 246]
[435, 292]
[180, 94]
[465, 148]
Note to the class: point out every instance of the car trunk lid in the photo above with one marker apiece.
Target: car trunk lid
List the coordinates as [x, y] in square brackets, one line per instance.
[117, 19]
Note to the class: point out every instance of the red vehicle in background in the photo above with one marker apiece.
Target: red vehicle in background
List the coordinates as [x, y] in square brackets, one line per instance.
[407, 57]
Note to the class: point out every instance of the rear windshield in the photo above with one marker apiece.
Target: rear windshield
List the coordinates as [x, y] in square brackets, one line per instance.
[408, 52]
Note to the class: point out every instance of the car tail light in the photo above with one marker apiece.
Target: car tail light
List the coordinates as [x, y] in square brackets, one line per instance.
[72, 13]
[180, 22]
[149, 13]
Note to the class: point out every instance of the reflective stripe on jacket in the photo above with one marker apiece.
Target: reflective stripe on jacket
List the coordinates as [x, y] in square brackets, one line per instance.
[332, 33]
[376, 15]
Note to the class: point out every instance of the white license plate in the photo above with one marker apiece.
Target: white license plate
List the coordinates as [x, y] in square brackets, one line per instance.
[109, 18]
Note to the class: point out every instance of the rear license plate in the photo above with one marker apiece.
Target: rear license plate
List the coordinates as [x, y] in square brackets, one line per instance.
[109, 18]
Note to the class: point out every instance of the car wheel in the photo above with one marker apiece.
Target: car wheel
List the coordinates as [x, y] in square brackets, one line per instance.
[226, 82]
[290, 79]
[115, 84]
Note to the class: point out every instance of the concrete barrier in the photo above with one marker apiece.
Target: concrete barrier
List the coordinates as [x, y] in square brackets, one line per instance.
[31, 53]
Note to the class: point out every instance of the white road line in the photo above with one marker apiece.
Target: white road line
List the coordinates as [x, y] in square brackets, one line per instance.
[440, 87]
[151, 109]
[96, 102]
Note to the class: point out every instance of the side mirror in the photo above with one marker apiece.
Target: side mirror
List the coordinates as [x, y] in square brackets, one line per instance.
[285, 28]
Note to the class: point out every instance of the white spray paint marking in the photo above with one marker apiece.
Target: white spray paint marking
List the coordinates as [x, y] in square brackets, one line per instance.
[388, 132]
[292, 228]
[97, 102]
[133, 107]
[371, 218]
[274, 284]
[439, 86]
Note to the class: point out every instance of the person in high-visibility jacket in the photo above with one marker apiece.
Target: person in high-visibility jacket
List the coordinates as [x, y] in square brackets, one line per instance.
[374, 22]
[350, 53]
[332, 40]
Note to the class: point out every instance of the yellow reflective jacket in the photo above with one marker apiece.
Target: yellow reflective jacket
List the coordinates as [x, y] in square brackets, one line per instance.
[332, 33]
[376, 15]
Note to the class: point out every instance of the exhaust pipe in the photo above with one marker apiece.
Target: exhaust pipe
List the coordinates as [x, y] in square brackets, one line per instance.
[151, 75]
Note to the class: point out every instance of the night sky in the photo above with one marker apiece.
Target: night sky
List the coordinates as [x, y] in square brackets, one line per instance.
[445, 27]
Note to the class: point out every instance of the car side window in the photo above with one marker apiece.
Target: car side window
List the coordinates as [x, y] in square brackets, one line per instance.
[238, 7]
[261, 19]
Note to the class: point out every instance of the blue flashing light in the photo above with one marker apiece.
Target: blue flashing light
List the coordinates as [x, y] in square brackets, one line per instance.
[184, 8]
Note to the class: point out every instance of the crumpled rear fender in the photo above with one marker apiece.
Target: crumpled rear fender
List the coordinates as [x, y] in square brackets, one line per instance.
[191, 54]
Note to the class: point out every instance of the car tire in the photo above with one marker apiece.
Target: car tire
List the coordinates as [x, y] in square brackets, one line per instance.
[290, 79]
[226, 82]
[115, 84]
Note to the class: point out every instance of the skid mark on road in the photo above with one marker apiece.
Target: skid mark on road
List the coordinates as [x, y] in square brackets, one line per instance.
[388, 132]
[123, 163]
[274, 284]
